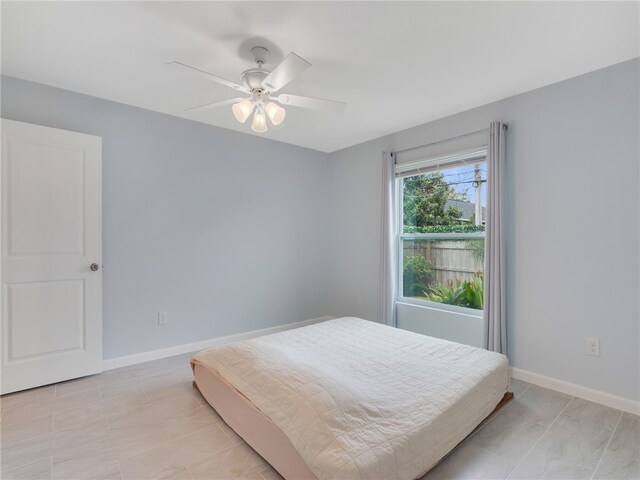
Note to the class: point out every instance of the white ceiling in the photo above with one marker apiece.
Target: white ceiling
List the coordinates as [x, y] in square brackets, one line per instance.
[395, 64]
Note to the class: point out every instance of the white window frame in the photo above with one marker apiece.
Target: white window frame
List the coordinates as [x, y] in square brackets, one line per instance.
[430, 236]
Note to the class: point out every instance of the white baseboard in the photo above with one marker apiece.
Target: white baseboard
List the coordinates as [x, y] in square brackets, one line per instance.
[598, 396]
[127, 360]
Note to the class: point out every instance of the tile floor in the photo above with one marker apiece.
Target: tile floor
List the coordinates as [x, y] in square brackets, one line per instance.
[148, 422]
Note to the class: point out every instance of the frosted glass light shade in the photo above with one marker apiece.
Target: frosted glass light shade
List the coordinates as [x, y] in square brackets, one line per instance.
[259, 124]
[242, 110]
[276, 113]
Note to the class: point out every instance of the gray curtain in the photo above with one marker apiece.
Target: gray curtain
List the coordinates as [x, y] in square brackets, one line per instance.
[388, 258]
[494, 314]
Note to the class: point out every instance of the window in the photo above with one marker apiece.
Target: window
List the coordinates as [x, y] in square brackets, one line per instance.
[442, 230]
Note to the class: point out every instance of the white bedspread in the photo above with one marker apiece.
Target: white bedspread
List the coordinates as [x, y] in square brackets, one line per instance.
[360, 400]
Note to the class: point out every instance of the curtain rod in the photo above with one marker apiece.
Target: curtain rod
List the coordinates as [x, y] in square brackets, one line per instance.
[506, 126]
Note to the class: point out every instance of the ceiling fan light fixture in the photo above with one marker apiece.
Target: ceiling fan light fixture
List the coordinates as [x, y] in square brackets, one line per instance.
[262, 84]
[259, 124]
[242, 110]
[275, 112]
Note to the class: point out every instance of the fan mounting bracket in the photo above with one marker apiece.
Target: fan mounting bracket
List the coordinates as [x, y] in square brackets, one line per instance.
[260, 54]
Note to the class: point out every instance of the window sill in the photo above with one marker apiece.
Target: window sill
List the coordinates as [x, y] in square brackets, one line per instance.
[443, 307]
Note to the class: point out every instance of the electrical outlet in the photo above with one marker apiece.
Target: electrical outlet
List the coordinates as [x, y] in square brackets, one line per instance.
[358, 299]
[163, 318]
[593, 347]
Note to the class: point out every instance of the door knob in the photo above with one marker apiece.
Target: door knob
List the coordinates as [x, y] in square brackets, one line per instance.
[94, 267]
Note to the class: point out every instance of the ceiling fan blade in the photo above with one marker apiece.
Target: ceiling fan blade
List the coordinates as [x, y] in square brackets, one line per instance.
[287, 70]
[211, 76]
[209, 106]
[310, 102]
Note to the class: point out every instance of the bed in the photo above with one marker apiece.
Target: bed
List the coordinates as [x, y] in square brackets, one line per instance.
[351, 399]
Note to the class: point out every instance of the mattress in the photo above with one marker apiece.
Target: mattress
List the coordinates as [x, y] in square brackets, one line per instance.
[251, 424]
[358, 400]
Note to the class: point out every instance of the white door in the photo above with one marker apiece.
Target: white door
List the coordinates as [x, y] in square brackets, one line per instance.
[51, 264]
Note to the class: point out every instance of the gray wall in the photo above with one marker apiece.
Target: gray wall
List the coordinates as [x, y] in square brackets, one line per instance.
[230, 232]
[225, 231]
[572, 221]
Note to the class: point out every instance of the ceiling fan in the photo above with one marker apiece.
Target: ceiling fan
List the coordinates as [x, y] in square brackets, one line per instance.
[261, 85]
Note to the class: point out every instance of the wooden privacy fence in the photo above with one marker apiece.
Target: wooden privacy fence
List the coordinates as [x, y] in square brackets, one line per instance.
[451, 259]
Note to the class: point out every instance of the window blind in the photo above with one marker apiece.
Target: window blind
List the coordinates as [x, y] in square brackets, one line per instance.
[468, 148]
[426, 165]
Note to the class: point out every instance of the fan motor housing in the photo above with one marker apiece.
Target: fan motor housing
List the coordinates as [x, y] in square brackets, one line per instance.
[253, 77]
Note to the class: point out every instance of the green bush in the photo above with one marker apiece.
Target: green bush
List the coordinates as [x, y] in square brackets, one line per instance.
[474, 293]
[444, 229]
[449, 293]
[417, 273]
[463, 293]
